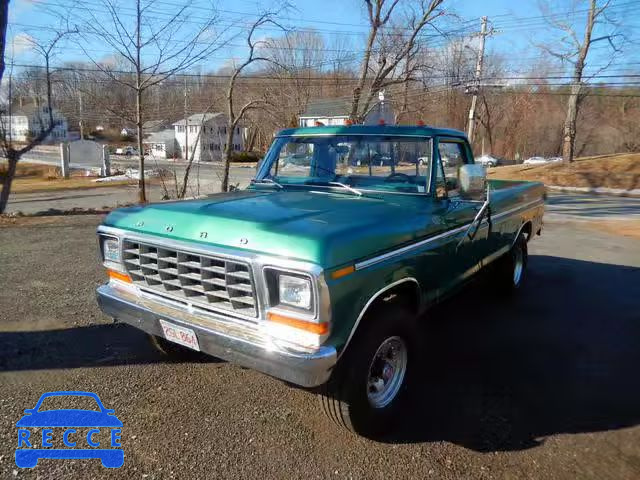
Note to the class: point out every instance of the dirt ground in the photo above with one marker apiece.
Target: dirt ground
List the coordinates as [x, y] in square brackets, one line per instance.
[609, 171]
[542, 386]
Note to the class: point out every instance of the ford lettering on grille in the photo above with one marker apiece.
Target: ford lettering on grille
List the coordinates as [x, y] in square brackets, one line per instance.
[214, 282]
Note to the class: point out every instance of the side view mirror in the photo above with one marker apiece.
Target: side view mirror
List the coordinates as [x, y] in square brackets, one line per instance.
[473, 182]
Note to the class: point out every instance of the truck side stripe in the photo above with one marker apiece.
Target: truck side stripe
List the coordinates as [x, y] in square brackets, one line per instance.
[407, 248]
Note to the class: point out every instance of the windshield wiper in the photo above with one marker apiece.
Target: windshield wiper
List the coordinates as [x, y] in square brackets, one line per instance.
[267, 180]
[346, 187]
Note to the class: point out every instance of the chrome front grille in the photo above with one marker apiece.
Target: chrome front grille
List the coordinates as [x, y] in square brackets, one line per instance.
[214, 282]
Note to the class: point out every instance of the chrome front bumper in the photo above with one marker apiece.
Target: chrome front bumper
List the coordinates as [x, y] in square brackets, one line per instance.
[229, 340]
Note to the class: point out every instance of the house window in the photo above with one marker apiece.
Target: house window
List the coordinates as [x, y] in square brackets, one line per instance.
[238, 130]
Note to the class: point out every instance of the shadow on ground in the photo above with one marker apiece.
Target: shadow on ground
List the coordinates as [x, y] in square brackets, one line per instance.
[79, 347]
[560, 357]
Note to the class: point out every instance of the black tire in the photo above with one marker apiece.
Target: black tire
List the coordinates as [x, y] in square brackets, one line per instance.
[173, 350]
[345, 397]
[511, 268]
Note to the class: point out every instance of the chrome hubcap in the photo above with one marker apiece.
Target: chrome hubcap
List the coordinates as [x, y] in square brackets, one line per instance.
[386, 372]
[518, 266]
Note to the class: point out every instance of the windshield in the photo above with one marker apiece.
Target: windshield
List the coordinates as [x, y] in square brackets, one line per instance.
[362, 162]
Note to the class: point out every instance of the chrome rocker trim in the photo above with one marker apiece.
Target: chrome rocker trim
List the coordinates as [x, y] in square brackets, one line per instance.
[244, 345]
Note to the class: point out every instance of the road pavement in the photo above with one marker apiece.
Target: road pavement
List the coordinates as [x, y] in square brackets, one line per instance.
[542, 386]
[577, 206]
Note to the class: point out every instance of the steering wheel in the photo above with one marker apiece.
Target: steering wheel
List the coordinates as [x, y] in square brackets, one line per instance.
[404, 177]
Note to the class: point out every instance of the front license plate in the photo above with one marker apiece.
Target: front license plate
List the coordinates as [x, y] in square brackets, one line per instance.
[183, 336]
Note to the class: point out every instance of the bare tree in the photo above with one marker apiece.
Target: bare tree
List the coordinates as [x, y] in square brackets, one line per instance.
[154, 48]
[44, 126]
[576, 53]
[235, 116]
[392, 48]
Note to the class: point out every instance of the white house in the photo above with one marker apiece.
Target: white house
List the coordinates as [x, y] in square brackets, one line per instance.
[206, 135]
[161, 144]
[335, 111]
[29, 121]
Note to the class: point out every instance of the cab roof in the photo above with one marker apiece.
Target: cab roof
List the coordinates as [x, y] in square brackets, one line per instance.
[403, 130]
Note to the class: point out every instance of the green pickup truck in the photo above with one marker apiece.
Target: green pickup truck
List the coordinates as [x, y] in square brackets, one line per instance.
[319, 271]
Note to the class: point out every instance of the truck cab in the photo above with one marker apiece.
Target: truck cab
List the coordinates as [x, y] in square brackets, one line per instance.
[318, 273]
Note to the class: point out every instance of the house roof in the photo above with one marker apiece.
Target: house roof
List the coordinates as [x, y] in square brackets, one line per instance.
[198, 118]
[328, 107]
[163, 136]
[26, 109]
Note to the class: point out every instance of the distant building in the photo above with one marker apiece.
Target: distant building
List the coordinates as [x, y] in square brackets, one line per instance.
[29, 121]
[206, 137]
[153, 126]
[335, 111]
[161, 144]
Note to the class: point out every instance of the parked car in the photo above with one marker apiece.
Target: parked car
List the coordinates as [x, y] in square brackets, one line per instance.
[488, 161]
[555, 159]
[126, 151]
[321, 283]
[535, 161]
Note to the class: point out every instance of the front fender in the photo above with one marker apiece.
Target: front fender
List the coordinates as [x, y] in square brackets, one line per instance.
[352, 296]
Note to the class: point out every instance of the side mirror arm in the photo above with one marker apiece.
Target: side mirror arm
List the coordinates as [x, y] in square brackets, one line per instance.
[485, 210]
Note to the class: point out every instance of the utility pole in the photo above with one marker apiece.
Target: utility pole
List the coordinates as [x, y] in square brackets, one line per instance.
[186, 122]
[476, 88]
[81, 120]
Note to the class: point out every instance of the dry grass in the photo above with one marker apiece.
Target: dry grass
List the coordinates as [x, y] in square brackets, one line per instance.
[609, 171]
[33, 177]
[626, 228]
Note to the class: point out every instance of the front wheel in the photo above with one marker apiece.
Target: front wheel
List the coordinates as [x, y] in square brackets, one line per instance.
[173, 350]
[368, 388]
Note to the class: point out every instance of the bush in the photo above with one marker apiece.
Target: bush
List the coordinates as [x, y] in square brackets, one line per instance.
[246, 157]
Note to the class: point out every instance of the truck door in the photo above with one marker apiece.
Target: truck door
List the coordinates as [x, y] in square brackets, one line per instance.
[455, 212]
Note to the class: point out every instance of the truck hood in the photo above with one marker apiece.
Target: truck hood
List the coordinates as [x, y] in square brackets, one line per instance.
[325, 228]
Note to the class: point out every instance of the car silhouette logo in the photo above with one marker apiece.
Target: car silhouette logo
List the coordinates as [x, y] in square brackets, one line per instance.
[29, 452]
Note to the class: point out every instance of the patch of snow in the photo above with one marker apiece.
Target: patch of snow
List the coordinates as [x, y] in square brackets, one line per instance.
[129, 174]
[620, 192]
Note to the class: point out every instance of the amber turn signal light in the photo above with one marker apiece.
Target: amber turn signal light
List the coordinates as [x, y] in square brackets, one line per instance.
[317, 328]
[123, 277]
[342, 272]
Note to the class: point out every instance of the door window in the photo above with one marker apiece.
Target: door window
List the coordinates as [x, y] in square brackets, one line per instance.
[451, 156]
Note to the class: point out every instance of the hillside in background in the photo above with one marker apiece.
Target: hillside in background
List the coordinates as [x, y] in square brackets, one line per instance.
[609, 171]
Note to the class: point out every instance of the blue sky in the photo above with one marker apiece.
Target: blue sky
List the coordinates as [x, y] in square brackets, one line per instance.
[517, 28]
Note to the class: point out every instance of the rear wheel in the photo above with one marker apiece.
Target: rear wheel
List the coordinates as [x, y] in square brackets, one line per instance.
[368, 388]
[512, 266]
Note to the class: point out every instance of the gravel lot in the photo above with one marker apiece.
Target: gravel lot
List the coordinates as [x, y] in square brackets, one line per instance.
[543, 386]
